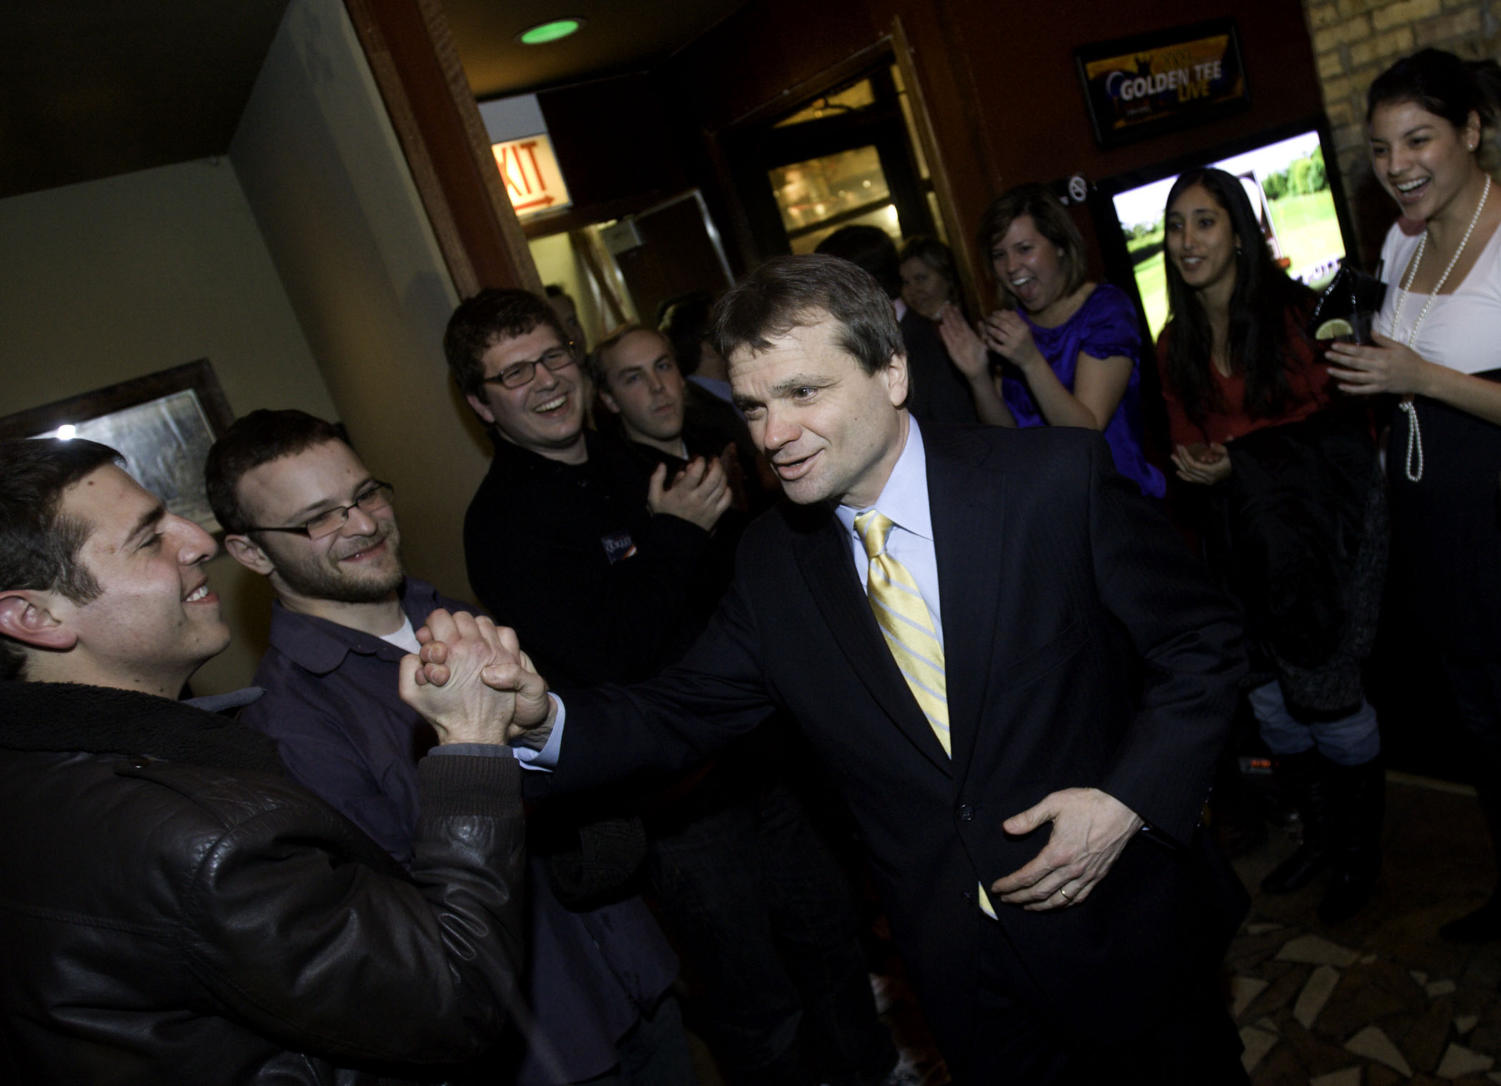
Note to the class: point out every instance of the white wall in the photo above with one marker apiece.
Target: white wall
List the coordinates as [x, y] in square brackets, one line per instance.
[119, 278]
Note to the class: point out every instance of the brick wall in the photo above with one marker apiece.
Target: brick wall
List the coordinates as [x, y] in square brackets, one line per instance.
[1353, 41]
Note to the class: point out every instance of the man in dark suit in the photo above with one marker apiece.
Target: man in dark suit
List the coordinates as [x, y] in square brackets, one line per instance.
[1021, 688]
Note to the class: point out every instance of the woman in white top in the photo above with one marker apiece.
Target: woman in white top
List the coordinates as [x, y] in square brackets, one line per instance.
[1438, 348]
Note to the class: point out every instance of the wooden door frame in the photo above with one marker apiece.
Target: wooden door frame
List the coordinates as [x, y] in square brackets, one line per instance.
[416, 67]
[959, 239]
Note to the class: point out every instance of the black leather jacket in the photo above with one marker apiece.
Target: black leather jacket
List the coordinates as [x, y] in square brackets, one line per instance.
[192, 916]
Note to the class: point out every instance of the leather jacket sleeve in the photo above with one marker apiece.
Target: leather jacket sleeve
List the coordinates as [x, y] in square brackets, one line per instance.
[352, 961]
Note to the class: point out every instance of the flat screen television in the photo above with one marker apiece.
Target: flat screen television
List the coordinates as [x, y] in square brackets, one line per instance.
[1291, 177]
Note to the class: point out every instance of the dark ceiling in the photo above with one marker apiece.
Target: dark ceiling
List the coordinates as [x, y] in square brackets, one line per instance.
[93, 88]
[616, 37]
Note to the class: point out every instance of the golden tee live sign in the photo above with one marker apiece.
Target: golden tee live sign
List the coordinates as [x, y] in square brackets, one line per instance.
[1141, 86]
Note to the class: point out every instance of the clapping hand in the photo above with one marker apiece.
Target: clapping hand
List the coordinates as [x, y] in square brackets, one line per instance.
[699, 494]
[964, 344]
[1205, 465]
[1008, 335]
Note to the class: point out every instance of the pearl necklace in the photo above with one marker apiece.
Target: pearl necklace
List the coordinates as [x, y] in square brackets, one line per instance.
[1414, 465]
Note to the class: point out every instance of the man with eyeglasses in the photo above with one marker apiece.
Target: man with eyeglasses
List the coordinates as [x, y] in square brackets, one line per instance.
[565, 525]
[176, 908]
[301, 509]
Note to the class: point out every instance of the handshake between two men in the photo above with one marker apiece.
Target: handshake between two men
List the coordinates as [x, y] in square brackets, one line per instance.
[473, 683]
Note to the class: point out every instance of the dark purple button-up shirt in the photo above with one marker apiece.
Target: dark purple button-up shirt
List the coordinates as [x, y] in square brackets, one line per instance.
[342, 730]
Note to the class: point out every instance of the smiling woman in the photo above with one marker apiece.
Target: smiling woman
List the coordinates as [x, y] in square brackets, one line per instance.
[1428, 116]
[1069, 350]
[1247, 403]
[930, 279]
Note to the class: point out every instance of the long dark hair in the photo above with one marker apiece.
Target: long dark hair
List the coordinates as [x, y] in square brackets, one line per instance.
[1257, 342]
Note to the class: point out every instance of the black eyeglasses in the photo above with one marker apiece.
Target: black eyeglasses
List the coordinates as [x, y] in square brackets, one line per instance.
[373, 498]
[519, 373]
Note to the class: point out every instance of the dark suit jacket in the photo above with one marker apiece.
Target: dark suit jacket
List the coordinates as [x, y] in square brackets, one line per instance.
[1084, 647]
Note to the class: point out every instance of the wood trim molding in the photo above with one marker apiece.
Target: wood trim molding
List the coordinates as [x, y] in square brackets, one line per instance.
[416, 67]
[943, 189]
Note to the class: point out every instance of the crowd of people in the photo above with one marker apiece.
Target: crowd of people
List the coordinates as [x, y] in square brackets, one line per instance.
[1296, 508]
[824, 592]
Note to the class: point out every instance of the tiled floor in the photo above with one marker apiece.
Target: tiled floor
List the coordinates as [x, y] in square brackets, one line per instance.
[1378, 999]
[1374, 1001]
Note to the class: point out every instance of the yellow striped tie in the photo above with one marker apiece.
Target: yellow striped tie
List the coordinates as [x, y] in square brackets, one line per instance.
[906, 623]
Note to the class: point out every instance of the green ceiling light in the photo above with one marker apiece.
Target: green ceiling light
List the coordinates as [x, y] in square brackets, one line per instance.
[555, 30]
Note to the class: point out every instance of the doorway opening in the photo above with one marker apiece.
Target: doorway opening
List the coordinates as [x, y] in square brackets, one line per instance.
[848, 156]
[629, 269]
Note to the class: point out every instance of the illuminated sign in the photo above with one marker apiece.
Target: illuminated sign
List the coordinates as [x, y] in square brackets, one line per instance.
[533, 180]
[1163, 81]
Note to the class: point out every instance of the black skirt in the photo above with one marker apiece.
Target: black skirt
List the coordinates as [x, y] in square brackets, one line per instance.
[1446, 529]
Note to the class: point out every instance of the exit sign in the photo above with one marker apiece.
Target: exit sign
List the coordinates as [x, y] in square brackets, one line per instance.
[533, 180]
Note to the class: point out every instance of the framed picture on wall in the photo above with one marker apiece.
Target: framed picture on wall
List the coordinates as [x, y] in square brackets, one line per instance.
[1158, 82]
[163, 424]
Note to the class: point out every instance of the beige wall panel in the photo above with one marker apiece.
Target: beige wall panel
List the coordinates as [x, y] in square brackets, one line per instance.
[113, 279]
[325, 176]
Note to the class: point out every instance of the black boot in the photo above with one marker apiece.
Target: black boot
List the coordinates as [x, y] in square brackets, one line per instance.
[1357, 806]
[1302, 777]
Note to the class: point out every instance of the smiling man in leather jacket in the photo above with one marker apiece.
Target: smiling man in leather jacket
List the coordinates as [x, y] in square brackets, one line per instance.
[177, 910]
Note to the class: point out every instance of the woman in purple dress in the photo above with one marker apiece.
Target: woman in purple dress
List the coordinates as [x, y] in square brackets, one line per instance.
[1071, 348]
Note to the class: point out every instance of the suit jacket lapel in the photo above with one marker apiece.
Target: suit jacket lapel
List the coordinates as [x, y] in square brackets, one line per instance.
[823, 553]
[966, 498]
